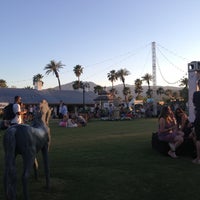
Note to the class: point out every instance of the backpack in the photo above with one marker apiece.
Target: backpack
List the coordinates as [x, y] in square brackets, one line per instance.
[8, 113]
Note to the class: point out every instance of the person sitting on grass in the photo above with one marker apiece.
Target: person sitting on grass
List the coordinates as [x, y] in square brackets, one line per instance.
[183, 122]
[167, 131]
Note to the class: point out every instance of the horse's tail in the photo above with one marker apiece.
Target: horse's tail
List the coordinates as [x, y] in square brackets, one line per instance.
[10, 168]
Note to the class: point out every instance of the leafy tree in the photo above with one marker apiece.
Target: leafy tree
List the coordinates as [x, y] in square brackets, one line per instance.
[112, 76]
[54, 67]
[3, 83]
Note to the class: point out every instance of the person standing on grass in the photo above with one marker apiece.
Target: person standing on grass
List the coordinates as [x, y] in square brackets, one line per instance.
[17, 110]
[196, 102]
[167, 130]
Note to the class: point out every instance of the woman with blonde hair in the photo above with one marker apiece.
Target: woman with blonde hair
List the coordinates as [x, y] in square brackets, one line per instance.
[168, 132]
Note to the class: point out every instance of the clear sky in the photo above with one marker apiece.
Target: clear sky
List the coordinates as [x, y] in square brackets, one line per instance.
[100, 35]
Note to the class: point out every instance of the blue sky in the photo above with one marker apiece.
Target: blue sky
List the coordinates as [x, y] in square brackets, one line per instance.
[100, 35]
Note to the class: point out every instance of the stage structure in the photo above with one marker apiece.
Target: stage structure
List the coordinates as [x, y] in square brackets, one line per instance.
[193, 77]
[153, 46]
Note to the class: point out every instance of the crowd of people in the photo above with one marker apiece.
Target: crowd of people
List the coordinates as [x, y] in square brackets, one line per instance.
[70, 120]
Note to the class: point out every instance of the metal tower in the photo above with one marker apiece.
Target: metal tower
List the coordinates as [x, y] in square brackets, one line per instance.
[154, 64]
[154, 78]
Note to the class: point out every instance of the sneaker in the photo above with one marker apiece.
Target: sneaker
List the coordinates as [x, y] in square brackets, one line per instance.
[172, 154]
[172, 146]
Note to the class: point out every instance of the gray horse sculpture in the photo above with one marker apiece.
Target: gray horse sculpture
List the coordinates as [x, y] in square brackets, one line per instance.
[26, 140]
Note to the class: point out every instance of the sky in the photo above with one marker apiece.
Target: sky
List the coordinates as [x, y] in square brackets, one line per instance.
[99, 35]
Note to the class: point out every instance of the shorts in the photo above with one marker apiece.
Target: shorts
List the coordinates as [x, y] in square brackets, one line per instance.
[167, 137]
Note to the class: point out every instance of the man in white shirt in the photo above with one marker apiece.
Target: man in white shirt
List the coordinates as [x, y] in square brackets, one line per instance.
[17, 110]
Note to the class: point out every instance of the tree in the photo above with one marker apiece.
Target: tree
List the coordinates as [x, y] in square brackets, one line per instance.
[112, 76]
[138, 87]
[54, 67]
[3, 83]
[184, 82]
[148, 77]
[160, 91]
[37, 78]
[126, 92]
[98, 89]
[121, 75]
[78, 70]
[168, 93]
[77, 84]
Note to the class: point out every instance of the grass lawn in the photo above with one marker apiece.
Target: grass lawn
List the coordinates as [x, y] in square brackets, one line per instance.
[109, 160]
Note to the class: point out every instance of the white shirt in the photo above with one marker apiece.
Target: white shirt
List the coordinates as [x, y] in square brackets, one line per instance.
[17, 119]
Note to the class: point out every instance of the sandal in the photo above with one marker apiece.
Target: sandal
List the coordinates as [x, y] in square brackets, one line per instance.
[172, 154]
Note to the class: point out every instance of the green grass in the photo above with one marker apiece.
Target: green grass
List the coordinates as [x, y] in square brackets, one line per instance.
[110, 160]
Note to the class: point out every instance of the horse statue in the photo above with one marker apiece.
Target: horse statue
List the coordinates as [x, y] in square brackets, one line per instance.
[26, 140]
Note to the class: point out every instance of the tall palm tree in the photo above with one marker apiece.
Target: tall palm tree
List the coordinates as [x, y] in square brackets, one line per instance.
[121, 75]
[53, 67]
[112, 76]
[148, 77]
[78, 70]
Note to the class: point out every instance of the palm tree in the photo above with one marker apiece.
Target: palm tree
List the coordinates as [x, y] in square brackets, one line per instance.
[148, 77]
[184, 82]
[53, 67]
[76, 85]
[112, 76]
[37, 78]
[121, 74]
[98, 89]
[126, 92]
[138, 87]
[78, 70]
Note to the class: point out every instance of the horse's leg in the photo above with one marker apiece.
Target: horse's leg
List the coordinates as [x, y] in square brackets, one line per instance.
[28, 161]
[46, 165]
[35, 167]
[10, 179]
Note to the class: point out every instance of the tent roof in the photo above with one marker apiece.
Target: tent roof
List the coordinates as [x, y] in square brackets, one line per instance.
[32, 96]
